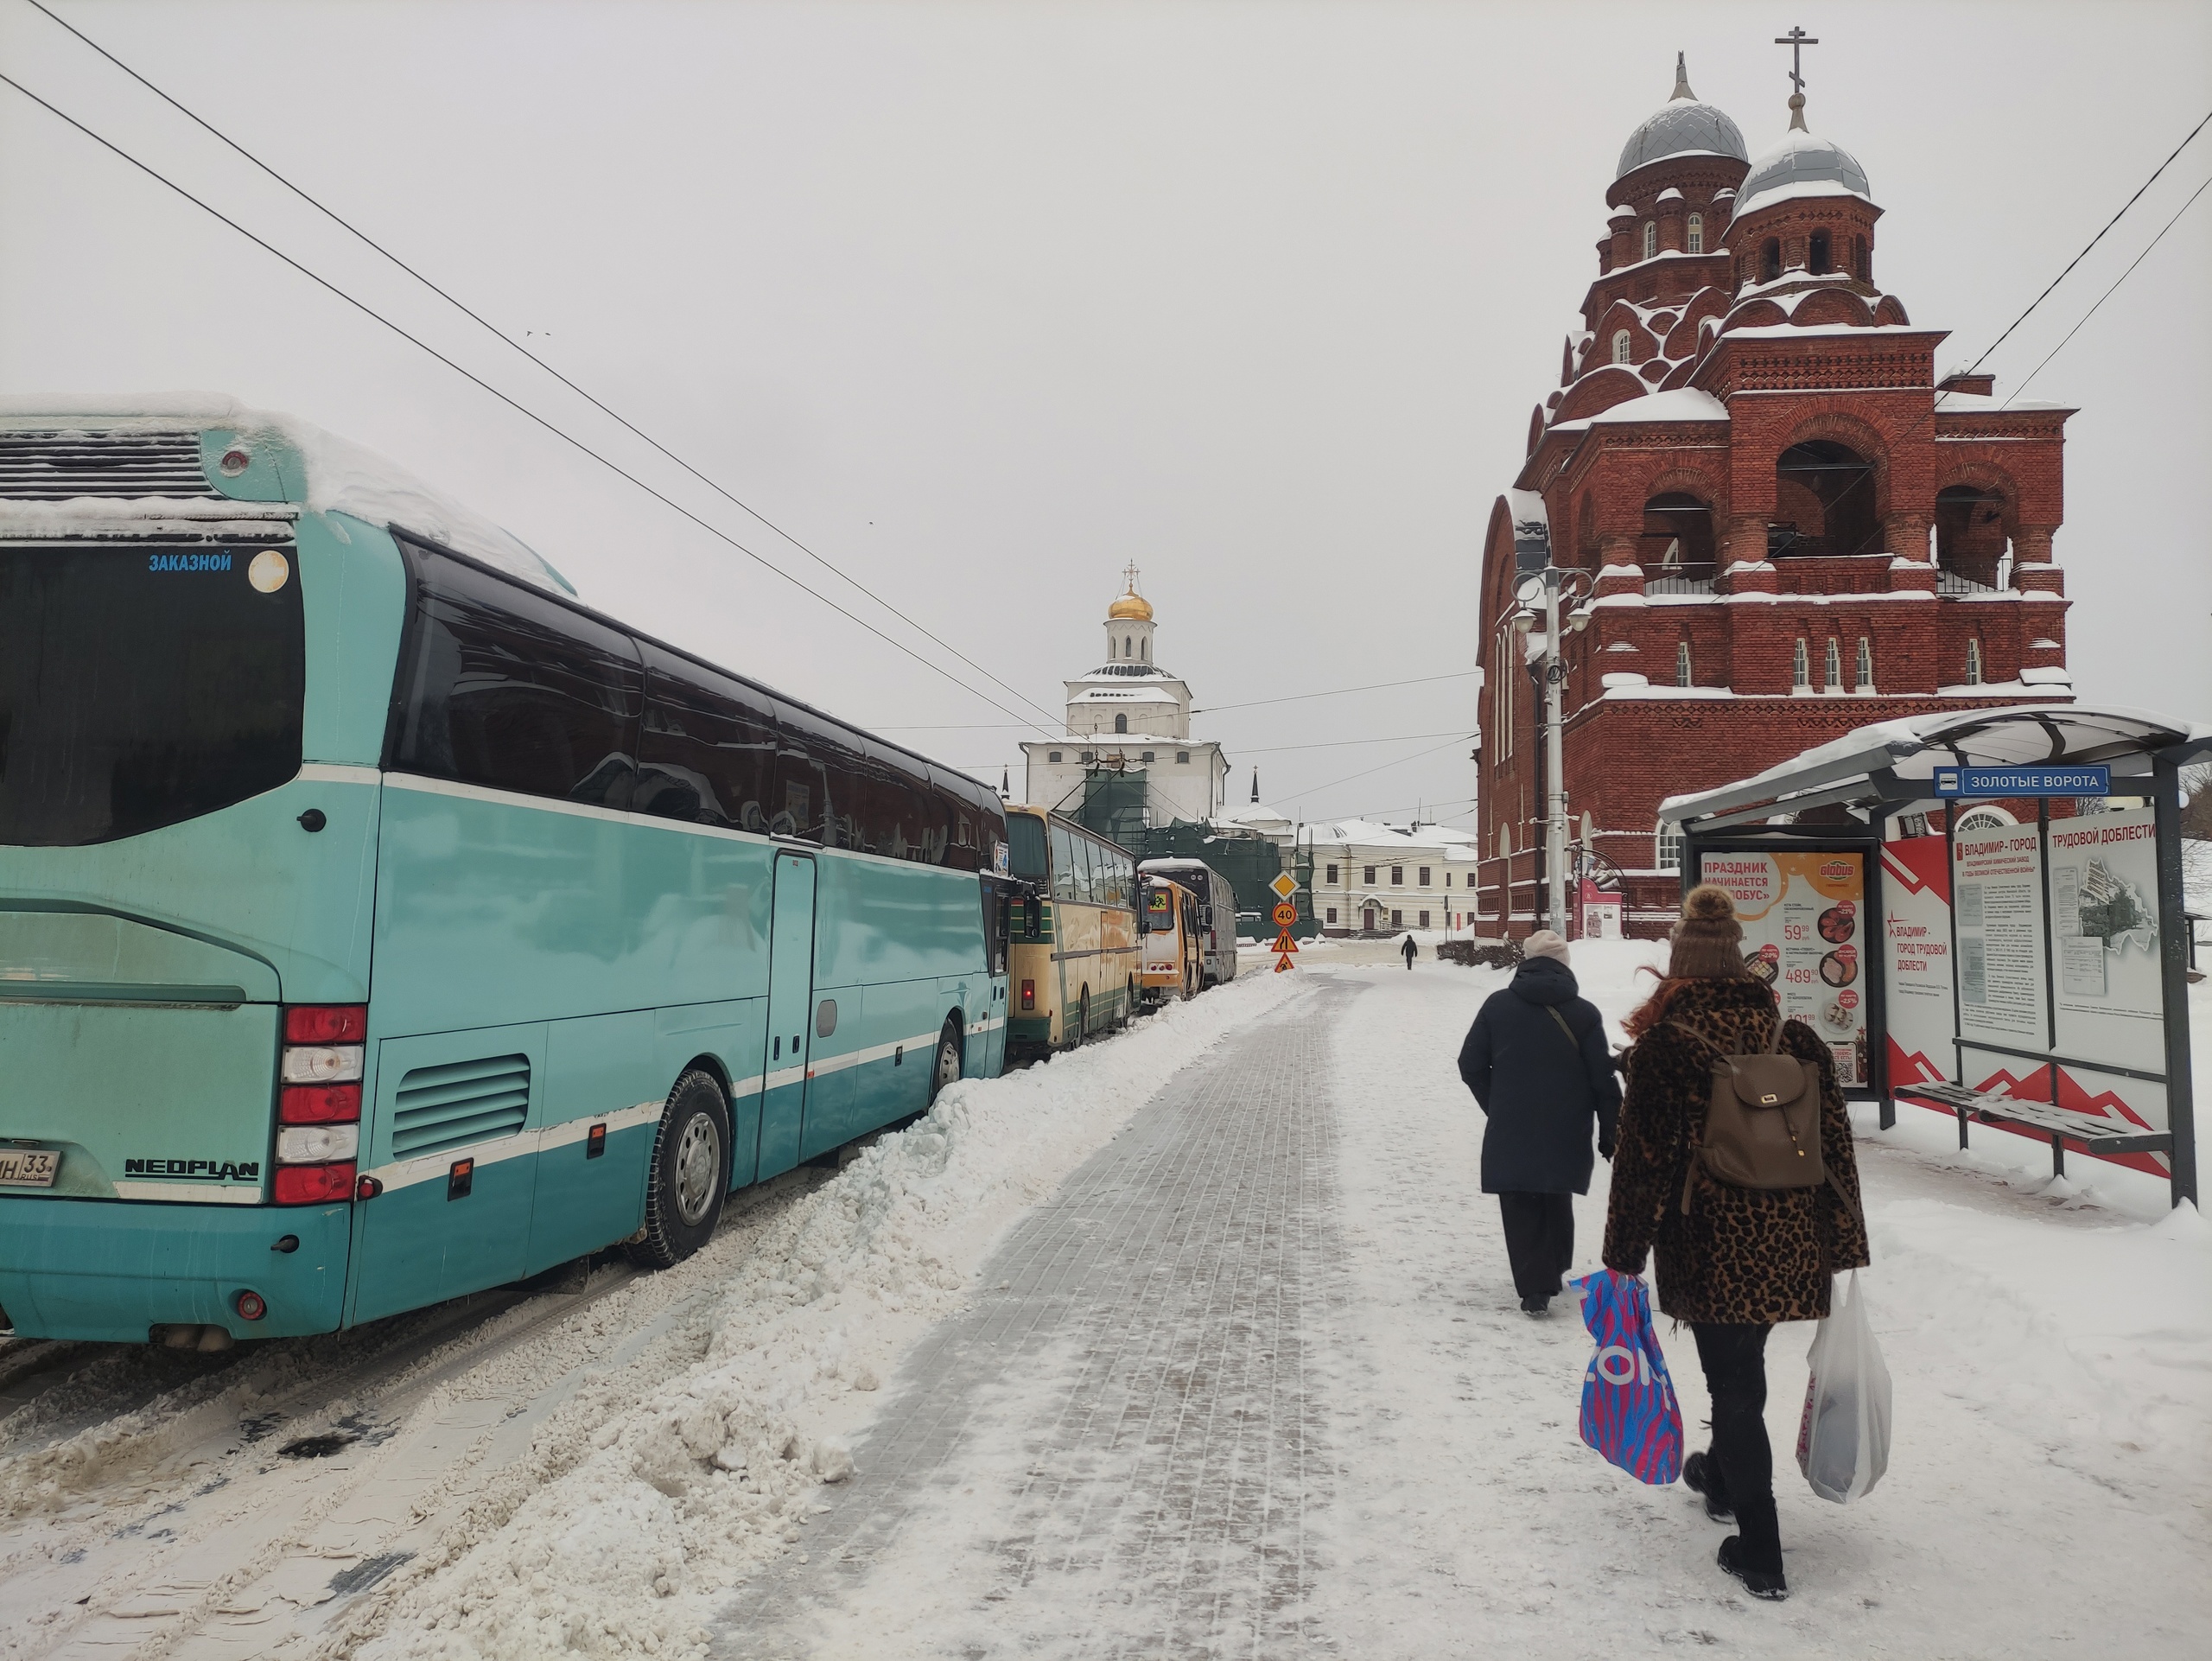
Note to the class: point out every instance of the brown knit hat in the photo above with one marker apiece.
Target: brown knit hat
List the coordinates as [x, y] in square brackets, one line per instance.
[1708, 941]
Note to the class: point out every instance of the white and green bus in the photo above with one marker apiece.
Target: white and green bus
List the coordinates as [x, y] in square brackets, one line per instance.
[378, 924]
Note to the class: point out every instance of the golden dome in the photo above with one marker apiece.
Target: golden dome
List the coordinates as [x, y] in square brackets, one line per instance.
[1130, 605]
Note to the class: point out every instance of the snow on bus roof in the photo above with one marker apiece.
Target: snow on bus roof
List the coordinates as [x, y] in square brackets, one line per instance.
[342, 477]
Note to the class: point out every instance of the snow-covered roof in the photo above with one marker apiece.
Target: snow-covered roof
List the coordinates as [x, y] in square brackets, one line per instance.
[1526, 507]
[1124, 695]
[1912, 747]
[1683, 404]
[1802, 165]
[1682, 127]
[1438, 838]
[1978, 404]
[342, 477]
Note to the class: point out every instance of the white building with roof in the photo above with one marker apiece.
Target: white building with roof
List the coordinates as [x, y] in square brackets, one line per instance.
[1129, 717]
[1372, 878]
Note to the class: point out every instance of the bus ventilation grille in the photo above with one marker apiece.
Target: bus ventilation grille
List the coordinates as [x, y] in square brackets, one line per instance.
[53, 466]
[460, 1103]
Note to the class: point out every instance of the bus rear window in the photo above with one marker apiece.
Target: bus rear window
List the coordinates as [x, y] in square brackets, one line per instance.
[144, 686]
[1025, 838]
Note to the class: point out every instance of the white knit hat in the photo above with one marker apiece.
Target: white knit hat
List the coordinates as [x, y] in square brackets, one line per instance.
[1545, 942]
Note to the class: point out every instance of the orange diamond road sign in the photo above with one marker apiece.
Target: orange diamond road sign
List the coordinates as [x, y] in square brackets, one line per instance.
[1284, 885]
[1286, 914]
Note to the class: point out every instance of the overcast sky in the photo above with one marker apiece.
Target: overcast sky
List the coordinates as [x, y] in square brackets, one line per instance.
[982, 301]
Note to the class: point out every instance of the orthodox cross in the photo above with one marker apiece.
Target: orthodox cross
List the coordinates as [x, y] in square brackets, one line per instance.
[1796, 41]
[1130, 576]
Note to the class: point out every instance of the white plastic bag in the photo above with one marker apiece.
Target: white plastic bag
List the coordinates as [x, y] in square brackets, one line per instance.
[1843, 1441]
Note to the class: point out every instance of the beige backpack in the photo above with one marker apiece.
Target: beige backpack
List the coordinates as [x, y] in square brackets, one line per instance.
[1761, 1121]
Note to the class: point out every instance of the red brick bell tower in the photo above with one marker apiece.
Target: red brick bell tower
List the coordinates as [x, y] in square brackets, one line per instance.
[1789, 526]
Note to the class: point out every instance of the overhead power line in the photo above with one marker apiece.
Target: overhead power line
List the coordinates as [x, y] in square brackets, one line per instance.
[2108, 293]
[2093, 241]
[1309, 790]
[519, 407]
[1295, 697]
[485, 323]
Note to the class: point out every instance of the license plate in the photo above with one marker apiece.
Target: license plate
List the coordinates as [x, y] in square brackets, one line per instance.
[29, 1168]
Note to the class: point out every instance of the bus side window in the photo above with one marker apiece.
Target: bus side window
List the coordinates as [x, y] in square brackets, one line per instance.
[506, 687]
[1063, 868]
[707, 752]
[817, 767]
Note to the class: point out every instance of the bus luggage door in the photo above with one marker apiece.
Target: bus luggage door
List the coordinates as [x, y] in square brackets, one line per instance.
[790, 1013]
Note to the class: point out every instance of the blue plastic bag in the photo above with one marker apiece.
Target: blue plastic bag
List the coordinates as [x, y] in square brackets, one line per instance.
[1629, 1410]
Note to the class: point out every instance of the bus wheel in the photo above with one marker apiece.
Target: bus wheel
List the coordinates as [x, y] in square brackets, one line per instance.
[688, 1178]
[1083, 1017]
[1129, 1005]
[946, 1070]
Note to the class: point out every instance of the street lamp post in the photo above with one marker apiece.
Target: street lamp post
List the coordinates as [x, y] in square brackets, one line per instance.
[1554, 590]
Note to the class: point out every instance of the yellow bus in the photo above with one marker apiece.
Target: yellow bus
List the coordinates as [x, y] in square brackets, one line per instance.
[1174, 965]
[1073, 942]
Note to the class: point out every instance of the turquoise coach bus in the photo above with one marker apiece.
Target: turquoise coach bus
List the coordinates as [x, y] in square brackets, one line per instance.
[378, 924]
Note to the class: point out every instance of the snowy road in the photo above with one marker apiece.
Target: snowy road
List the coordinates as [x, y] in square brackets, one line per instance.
[1195, 1342]
[1255, 1383]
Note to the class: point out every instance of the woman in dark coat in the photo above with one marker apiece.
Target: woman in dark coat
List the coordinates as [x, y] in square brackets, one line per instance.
[1537, 1060]
[1732, 1261]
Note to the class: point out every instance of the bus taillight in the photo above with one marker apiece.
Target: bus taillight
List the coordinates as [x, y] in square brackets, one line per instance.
[318, 1102]
[326, 1023]
[313, 1185]
[1029, 995]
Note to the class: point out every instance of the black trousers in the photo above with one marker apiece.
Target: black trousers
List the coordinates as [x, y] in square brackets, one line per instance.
[1734, 1360]
[1539, 1240]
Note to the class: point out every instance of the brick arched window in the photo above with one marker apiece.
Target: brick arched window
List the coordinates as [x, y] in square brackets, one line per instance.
[1620, 345]
[1770, 259]
[1833, 665]
[1801, 666]
[1682, 677]
[1866, 664]
[1817, 257]
[1973, 662]
[1696, 231]
[1650, 238]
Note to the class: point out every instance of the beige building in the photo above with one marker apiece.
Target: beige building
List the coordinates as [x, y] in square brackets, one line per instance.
[1370, 878]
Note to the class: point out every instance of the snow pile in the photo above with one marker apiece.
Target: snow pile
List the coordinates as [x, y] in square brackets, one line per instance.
[646, 1507]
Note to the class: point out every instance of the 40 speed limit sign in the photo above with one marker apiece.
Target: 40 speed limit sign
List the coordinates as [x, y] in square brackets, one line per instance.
[1286, 914]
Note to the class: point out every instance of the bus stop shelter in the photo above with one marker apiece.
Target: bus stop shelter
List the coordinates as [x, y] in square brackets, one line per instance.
[1981, 913]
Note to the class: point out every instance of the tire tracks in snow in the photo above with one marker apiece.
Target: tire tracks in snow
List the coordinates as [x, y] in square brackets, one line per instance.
[238, 1512]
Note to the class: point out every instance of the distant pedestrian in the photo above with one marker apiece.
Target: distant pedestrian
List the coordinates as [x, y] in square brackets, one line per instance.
[1410, 950]
[1536, 1061]
[1732, 1261]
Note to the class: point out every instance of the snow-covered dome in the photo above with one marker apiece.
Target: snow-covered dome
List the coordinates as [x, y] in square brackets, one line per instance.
[1802, 165]
[1682, 127]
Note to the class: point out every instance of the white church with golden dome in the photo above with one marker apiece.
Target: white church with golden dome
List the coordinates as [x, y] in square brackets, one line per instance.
[1130, 716]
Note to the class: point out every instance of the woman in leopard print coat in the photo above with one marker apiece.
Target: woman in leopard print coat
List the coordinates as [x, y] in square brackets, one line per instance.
[1736, 1261]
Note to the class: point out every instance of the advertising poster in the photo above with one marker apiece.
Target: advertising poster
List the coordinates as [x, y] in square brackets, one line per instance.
[1804, 934]
[1916, 937]
[2108, 977]
[1997, 926]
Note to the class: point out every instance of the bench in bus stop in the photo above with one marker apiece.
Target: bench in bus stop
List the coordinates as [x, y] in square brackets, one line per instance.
[2094, 1135]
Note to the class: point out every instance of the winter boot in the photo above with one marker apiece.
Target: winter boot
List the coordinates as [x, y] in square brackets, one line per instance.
[1766, 1583]
[1701, 1475]
[1536, 1306]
